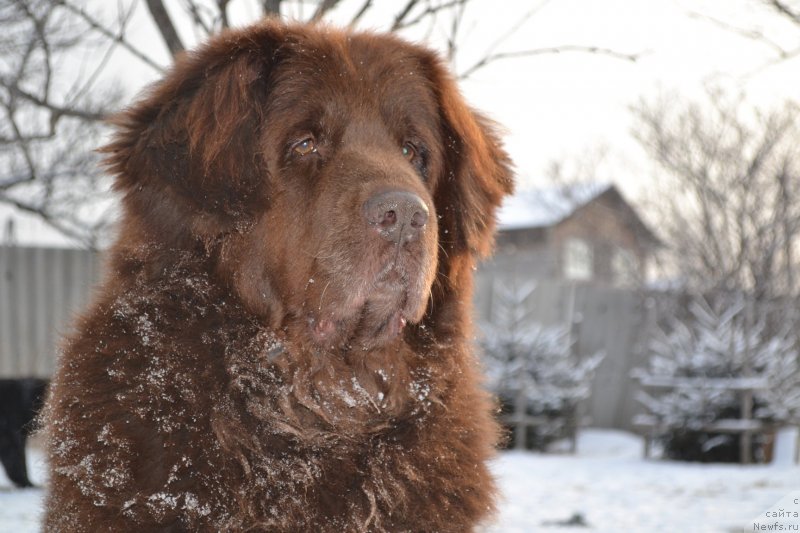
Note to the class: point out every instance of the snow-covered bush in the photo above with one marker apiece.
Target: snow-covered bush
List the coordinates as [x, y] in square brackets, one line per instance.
[730, 341]
[533, 367]
[780, 401]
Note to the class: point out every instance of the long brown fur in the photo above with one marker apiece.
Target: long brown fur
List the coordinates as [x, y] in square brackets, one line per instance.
[257, 358]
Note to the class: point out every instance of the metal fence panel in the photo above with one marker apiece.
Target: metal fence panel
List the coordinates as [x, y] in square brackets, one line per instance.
[40, 290]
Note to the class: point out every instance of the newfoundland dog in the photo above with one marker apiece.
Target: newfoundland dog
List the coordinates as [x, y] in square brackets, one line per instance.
[282, 340]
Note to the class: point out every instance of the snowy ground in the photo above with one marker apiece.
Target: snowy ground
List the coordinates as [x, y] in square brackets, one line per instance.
[607, 484]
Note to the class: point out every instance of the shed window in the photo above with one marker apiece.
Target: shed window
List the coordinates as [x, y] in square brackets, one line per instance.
[577, 260]
[624, 266]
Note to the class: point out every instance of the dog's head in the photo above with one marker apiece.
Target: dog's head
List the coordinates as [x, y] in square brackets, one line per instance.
[332, 177]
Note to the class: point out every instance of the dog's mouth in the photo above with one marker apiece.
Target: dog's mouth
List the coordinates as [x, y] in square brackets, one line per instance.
[365, 331]
[372, 314]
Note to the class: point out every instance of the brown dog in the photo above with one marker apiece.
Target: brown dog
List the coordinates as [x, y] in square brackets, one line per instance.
[282, 342]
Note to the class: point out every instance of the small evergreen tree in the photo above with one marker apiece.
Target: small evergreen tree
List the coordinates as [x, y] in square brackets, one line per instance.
[719, 341]
[532, 367]
[780, 401]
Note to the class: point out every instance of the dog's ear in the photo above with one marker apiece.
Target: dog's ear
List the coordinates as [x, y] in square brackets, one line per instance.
[195, 135]
[477, 171]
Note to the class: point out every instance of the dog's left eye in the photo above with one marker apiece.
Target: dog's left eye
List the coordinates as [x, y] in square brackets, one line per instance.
[305, 146]
[409, 152]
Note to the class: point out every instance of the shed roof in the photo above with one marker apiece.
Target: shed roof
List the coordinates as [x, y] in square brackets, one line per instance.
[543, 208]
[537, 208]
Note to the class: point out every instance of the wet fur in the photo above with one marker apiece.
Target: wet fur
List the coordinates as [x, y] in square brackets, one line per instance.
[257, 358]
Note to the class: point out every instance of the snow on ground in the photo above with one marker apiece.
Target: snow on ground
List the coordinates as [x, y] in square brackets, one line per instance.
[615, 490]
[606, 484]
[20, 509]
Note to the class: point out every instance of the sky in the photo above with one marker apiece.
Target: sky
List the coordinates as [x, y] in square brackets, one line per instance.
[561, 107]
[571, 106]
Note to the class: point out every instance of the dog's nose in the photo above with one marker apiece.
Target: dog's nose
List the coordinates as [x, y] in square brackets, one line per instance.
[399, 216]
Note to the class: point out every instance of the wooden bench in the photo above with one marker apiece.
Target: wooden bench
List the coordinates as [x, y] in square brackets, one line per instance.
[521, 421]
[651, 426]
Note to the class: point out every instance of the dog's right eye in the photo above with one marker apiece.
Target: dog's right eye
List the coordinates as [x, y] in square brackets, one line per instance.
[305, 146]
[409, 151]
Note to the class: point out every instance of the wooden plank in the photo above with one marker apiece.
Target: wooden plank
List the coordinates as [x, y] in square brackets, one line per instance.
[727, 425]
[6, 309]
[19, 309]
[52, 285]
[526, 420]
[732, 384]
[42, 327]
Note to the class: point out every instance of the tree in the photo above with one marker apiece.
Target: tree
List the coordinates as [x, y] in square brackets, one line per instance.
[57, 90]
[727, 199]
[728, 340]
[532, 367]
[48, 120]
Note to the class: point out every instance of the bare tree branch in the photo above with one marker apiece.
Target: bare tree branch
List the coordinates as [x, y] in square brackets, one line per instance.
[785, 10]
[490, 50]
[57, 110]
[272, 7]
[486, 60]
[783, 53]
[165, 26]
[222, 5]
[753, 35]
[504, 37]
[116, 37]
[429, 13]
[452, 40]
[399, 20]
[730, 202]
[82, 87]
[197, 18]
[323, 8]
[360, 13]
[55, 221]
[25, 149]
